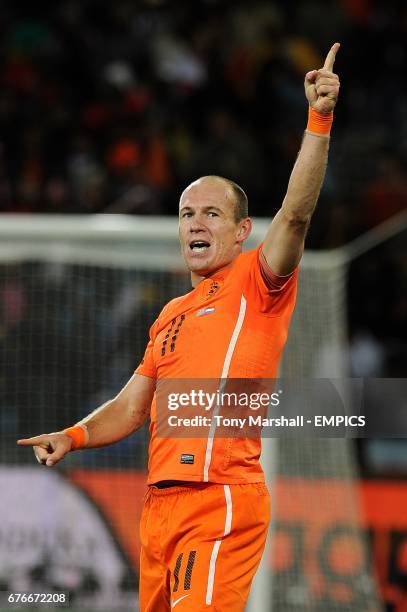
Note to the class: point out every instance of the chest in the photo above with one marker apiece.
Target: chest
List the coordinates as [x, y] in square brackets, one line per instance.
[195, 334]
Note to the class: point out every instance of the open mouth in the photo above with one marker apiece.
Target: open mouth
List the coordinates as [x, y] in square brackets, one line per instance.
[199, 246]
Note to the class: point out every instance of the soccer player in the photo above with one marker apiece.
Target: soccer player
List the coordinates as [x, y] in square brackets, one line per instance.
[206, 510]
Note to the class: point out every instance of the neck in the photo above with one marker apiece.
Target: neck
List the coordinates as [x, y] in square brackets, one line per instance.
[197, 278]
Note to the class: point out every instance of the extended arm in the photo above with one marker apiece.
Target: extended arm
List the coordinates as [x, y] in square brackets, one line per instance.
[284, 242]
[123, 415]
[114, 420]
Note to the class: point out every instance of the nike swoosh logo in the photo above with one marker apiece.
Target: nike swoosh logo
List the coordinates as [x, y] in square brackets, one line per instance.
[174, 603]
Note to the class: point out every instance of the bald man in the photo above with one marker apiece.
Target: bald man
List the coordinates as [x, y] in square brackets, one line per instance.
[206, 511]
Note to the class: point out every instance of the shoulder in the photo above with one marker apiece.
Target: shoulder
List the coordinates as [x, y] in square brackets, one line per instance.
[244, 261]
[268, 293]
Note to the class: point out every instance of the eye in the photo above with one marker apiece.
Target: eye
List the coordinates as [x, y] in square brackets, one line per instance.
[186, 214]
[213, 214]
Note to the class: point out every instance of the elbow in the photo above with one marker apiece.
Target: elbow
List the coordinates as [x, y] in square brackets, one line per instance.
[297, 220]
[137, 415]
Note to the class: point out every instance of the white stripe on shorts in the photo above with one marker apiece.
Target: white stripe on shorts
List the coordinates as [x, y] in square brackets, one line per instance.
[216, 546]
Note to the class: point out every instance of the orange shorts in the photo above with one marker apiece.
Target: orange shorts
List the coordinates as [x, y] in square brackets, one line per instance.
[201, 545]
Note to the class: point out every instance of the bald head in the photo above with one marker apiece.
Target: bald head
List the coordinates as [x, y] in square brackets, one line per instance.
[233, 192]
[213, 225]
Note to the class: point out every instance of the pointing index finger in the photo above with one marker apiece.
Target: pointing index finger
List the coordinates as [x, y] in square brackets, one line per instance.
[35, 441]
[330, 58]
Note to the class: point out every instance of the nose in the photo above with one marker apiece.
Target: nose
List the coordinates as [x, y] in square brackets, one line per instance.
[196, 226]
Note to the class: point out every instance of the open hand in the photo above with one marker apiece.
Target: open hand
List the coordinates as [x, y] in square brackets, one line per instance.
[322, 86]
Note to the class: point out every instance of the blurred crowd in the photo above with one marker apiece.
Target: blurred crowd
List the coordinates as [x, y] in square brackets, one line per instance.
[116, 106]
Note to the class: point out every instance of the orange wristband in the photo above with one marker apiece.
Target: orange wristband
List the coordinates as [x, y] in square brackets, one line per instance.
[318, 123]
[79, 435]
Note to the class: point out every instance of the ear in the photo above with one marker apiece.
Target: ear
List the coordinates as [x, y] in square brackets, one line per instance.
[245, 227]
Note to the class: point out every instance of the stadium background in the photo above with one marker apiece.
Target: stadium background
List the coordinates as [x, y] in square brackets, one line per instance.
[114, 108]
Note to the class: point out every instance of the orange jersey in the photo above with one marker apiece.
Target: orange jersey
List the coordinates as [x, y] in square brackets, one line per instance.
[234, 324]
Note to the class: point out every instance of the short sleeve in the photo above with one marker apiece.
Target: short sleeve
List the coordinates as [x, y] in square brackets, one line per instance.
[147, 365]
[273, 282]
[273, 295]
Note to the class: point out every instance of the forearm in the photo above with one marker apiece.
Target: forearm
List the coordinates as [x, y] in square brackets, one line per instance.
[117, 418]
[112, 422]
[284, 242]
[306, 179]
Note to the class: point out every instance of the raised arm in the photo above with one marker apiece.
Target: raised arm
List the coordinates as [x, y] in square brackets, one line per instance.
[114, 420]
[284, 242]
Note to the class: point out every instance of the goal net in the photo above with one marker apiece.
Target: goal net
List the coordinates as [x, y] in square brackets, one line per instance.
[78, 295]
